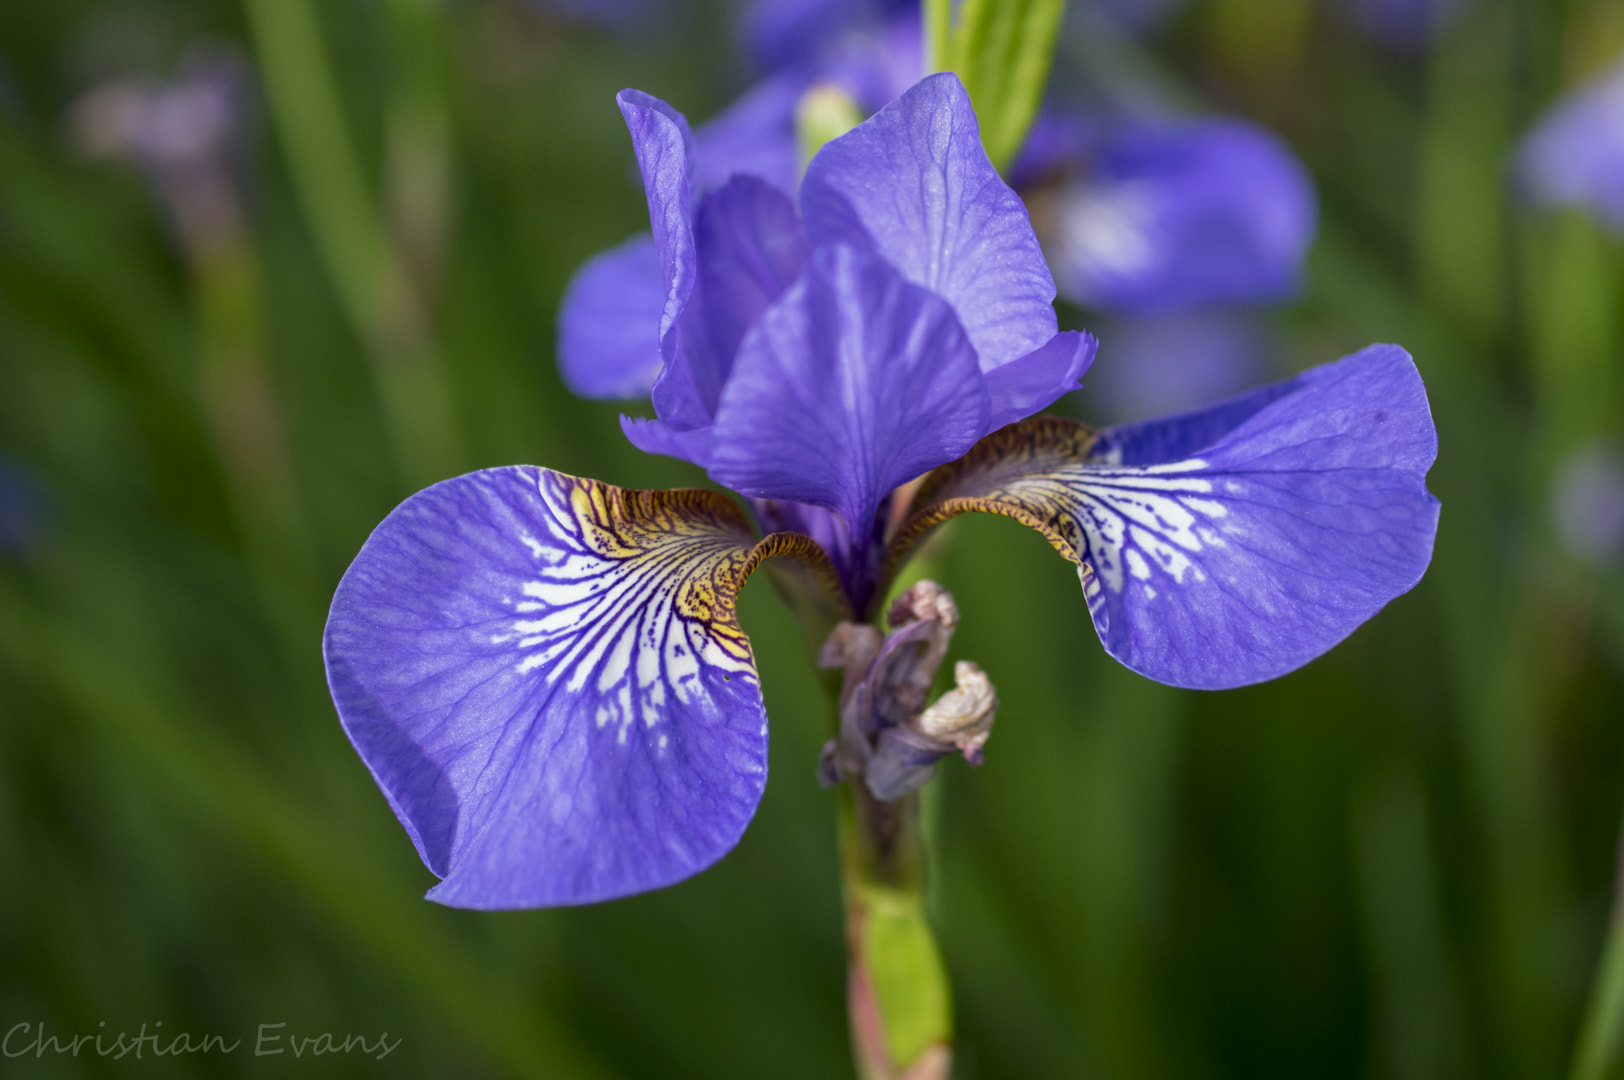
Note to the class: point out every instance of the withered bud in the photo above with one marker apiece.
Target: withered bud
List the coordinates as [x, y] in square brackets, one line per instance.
[963, 716]
[924, 600]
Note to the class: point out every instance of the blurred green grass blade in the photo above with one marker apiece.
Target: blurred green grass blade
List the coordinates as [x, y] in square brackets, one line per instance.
[349, 887]
[387, 307]
[326, 169]
[1596, 1057]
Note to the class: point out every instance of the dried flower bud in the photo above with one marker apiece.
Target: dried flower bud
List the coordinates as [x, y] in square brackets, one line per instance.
[887, 735]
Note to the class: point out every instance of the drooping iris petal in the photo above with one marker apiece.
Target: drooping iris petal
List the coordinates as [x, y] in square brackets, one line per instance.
[1575, 156]
[1171, 217]
[914, 184]
[1038, 379]
[609, 322]
[750, 251]
[854, 382]
[547, 679]
[1290, 526]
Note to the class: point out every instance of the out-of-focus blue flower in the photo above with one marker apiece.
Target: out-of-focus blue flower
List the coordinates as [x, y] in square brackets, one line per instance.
[1587, 502]
[184, 134]
[1403, 24]
[1166, 216]
[1575, 154]
[546, 675]
[872, 50]
[1172, 363]
[22, 509]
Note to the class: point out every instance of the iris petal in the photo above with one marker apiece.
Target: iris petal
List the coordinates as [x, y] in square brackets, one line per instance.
[914, 184]
[1295, 515]
[609, 322]
[1038, 379]
[666, 157]
[547, 678]
[855, 381]
[750, 250]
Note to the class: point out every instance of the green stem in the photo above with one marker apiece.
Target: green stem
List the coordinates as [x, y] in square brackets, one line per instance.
[898, 994]
[1602, 1032]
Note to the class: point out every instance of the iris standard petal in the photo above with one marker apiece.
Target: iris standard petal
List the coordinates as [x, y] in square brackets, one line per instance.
[666, 156]
[547, 679]
[852, 383]
[750, 250]
[1171, 217]
[609, 322]
[1266, 546]
[914, 184]
[1038, 379]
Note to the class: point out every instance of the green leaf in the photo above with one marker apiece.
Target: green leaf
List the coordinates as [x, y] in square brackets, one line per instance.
[1001, 50]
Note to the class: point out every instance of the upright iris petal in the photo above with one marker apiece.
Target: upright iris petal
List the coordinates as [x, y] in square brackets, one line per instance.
[914, 185]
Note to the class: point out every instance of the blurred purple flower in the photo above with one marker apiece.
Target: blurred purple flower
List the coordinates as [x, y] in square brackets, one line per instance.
[1403, 24]
[1575, 154]
[1168, 216]
[1172, 363]
[791, 33]
[870, 49]
[546, 675]
[22, 508]
[1587, 502]
[184, 134]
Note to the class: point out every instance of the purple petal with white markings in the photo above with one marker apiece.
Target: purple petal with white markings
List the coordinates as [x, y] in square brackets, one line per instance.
[609, 322]
[854, 382]
[914, 184]
[1294, 517]
[546, 677]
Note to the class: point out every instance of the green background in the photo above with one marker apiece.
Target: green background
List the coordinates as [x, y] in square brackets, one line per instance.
[1396, 862]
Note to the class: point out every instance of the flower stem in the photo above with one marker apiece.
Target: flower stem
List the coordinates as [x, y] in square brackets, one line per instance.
[898, 995]
[1601, 1035]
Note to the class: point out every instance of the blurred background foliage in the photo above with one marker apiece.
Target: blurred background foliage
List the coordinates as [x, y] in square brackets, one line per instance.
[215, 379]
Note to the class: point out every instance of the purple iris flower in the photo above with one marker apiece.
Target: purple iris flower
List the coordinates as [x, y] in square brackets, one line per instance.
[1165, 216]
[1575, 156]
[546, 674]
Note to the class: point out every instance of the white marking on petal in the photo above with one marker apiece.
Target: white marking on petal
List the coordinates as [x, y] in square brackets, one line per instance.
[609, 625]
